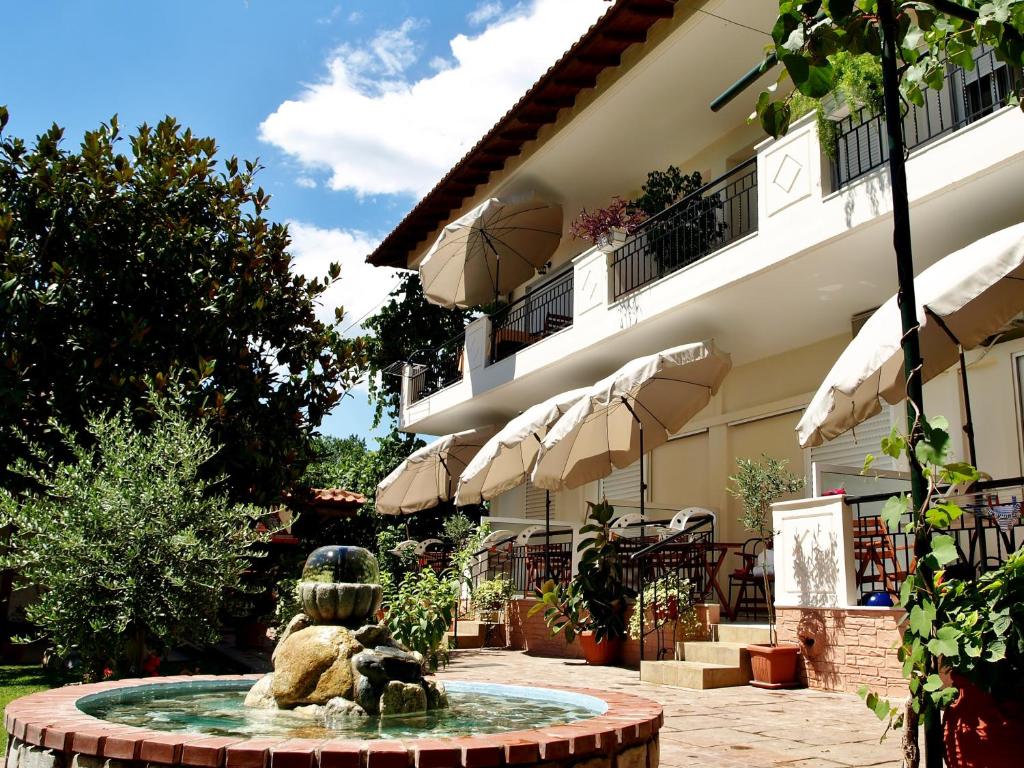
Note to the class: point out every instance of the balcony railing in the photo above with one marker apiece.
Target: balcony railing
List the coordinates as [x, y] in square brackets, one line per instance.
[533, 317]
[967, 96]
[989, 531]
[435, 369]
[701, 223]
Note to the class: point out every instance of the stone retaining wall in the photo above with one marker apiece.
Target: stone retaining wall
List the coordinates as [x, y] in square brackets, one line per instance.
[845, 648]
[47, 730]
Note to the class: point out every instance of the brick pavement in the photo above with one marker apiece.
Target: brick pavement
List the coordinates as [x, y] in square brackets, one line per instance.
[723, 728]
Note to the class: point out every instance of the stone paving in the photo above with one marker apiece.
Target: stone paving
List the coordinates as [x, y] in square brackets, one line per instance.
[723, 728]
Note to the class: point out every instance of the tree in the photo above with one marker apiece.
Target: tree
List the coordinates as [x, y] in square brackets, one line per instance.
[407, 326]
[122, 270]
[807, 36]
[133, 544]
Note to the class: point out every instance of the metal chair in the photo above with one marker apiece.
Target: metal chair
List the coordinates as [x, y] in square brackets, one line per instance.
[748, 582]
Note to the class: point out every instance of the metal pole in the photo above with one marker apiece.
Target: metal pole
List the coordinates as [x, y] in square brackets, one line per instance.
[640, 563]
[907, 300]
[547, 535]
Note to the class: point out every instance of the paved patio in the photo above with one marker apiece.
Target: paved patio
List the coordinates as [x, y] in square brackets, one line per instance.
[723, 728]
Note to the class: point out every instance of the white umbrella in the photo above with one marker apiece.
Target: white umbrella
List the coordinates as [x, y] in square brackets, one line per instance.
[962, 300]
[491, 250]
[628, 413]
[507, 459]
[428, 476]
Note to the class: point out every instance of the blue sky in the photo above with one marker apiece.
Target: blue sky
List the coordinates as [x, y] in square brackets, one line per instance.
[355, 108]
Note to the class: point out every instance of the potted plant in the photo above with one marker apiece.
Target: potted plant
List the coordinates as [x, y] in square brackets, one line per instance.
[668, 601]
[593, 605]
[605, 226]
[490, 599]
[963, 640]
[758, 485]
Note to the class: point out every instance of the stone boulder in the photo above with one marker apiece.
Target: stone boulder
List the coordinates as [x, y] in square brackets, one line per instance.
[339, 710]
[385, 663]
[372, 635]
[261, 696]
[437, 696]
[298, 623]
[403, 699]
[314, 665]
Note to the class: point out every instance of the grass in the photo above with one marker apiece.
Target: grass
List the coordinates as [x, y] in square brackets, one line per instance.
[20, 680]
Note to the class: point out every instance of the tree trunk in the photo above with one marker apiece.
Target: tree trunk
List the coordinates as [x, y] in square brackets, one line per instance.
[911, 750]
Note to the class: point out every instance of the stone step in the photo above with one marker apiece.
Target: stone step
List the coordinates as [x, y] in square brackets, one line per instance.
[742, 633]
[692, 674]
[725, 654]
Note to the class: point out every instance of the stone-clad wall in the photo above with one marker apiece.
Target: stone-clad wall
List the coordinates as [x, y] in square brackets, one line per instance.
[850, 648]
[47, 730]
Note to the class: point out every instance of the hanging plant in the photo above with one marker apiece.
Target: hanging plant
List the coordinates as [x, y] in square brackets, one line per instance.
[597, 225]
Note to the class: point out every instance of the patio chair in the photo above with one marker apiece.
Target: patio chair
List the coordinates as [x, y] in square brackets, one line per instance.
[880, 561]
[747, 581]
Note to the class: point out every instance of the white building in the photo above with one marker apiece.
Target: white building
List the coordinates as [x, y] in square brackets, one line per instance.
[804, 251]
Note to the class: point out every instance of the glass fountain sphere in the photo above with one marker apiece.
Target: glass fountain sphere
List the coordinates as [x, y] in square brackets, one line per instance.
[338, 564]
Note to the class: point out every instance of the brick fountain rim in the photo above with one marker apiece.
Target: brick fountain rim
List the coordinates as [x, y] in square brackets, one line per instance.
[51, 720]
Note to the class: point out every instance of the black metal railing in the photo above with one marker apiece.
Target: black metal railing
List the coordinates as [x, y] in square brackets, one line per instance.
[967, 96]
[655, 567]
[533, 317]
[701, 223]
[435, 369]
[985, 535]
[527, 565]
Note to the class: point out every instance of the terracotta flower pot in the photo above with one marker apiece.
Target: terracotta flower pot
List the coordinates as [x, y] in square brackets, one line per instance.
[774, 666]
[602, 653]
[981, 732]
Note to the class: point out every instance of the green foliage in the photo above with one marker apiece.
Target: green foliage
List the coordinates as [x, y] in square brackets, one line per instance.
[123, 267]
[927, 38]
[408, 324]
[133, 545]
[420, 613]
[758, 485]
[972, 628]
[457, 530]
[597, 598]
[668, 600]
[287, 604]
[858, 83]
[663, 188]
[492, 595]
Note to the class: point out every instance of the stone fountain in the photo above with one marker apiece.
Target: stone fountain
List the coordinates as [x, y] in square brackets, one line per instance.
[334, 660]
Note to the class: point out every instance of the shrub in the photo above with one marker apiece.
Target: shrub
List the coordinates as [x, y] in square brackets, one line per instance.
[668, 600]
[595, 225]
[420, 614]
[492, 595]
[133, 546]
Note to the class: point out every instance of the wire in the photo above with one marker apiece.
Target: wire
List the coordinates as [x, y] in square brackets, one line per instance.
[374, 307]
[732, 21]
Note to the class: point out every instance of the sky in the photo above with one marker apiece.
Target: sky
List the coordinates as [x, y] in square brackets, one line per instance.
[355, 109]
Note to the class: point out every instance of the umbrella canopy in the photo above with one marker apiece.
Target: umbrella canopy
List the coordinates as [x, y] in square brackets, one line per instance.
[491, 250]
[428, 476]
[962, 300]
[642, 403]
[507, 459]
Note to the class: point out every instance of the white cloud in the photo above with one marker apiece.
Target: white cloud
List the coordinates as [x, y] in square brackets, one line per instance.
[331, 17]
[484, 12]
[361, 289]
[380, 131]
[306, 182]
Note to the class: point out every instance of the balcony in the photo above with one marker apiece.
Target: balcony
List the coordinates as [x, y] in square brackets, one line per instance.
[778, 231]
[703, 222]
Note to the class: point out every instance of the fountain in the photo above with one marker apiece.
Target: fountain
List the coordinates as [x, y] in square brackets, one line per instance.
[330, 663]
[343, 694]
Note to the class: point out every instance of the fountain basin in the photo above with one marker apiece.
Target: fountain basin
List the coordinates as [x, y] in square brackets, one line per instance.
[603, 725]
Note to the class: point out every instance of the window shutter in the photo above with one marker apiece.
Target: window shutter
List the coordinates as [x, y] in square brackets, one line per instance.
[850, 448]
[623, 484]
[534, 503]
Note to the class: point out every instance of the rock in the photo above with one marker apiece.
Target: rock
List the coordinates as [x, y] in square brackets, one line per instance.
[314, 665]
[261, 696]
[437, 696]
[385, 663]
[341, 709]
[368, 696]
[298, 622]
[312, 711]
[372, 635]
[403, 699]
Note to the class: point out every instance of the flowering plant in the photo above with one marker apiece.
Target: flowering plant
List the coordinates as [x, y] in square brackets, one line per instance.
[595, 225]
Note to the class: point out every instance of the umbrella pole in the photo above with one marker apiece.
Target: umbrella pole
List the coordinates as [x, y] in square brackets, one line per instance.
[643, 521]
[547, 535]
[964, 389]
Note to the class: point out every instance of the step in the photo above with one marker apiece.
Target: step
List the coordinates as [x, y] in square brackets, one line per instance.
[742, 633]
[472, 634]
[725, 654]
[692, 674]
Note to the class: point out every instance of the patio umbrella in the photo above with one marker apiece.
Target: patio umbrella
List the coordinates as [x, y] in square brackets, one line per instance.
[629, 413]
[428, 476]
[962, 300]
[507, 459]
[491, 250]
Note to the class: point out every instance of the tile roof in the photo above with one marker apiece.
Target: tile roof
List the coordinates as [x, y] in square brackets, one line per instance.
[624, 23]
